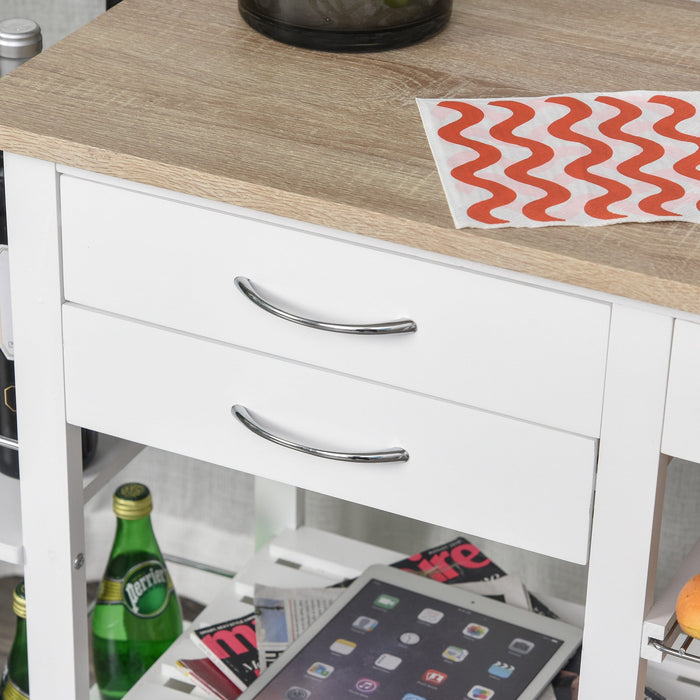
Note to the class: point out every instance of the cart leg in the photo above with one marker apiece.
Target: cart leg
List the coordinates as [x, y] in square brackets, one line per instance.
[49, 448]
[629, 496]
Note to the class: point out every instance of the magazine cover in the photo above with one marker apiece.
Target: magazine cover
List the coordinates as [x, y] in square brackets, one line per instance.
[232, 646]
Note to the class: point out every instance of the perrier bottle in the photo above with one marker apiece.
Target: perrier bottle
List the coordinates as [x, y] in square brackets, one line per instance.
[15, 679]
[137, 615]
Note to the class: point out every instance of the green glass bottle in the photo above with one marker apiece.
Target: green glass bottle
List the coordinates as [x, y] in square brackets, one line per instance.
[15, 681]
[137, 615]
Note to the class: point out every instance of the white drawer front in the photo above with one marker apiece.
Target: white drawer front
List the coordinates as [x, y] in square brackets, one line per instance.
[681, 436]
[470, 470]
[481, 341]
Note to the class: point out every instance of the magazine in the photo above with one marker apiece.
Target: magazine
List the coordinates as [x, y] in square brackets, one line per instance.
[205, 675]
[232, 646]
[460, 561]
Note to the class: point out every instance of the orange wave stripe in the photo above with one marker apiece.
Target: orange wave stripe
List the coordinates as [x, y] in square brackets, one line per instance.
[540, 154]
[666, 126]
[486, 155]
[599, 153]
[651, 151]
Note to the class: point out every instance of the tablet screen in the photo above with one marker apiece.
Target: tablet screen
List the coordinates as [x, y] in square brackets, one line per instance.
[390, 642]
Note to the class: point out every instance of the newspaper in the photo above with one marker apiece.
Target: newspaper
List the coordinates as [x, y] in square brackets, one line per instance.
[282, 614]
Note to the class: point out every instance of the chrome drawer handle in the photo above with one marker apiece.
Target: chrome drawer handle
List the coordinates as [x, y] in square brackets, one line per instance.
[396, 454]
[400, 326]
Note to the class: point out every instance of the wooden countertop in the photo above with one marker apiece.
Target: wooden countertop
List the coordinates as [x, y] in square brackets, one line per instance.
[182, 94]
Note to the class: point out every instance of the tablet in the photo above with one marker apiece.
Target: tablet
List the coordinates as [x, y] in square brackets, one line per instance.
[395, 635]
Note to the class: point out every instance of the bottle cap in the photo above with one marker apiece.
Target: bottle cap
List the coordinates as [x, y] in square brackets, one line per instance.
[19, 602]
[132, 501]
[19, 38]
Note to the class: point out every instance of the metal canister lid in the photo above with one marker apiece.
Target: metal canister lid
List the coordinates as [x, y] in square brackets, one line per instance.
[19, 38]
[132, 501]
[19, 602]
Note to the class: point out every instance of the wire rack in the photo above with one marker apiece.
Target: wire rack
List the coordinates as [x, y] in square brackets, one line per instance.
[671, 647]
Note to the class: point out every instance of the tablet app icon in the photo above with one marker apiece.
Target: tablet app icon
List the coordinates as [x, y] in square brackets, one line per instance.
[432, 617]
[478, 692]
[365, 624]
[389, 662]
[366, 685]
[521, 646]
[455, 654]
[434, 677]
[409, 639]
[412, 696]
[500, 669]
[386, 602]
[319, 670]
[475, 631]
[343, 646]
[296, 693]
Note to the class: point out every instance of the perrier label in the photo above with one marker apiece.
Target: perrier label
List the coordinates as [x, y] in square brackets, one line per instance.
[137, 615]
[145, 589]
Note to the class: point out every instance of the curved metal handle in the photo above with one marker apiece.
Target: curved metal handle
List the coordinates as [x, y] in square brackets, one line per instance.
[396, 454]
[400, 326]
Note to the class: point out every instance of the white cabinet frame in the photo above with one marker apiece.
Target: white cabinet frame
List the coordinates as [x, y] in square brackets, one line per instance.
[626, 511]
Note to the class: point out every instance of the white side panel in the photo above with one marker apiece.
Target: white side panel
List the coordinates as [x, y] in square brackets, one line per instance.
[50, 455]
[487, 342]
[629, 495]
[682, 424]
[469, 470]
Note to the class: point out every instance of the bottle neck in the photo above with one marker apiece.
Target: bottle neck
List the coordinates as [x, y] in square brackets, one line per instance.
[21, 632]
[133, 535]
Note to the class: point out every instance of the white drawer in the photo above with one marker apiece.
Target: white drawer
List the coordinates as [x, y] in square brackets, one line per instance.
[681, 436]
[482, 341]
[469, 470]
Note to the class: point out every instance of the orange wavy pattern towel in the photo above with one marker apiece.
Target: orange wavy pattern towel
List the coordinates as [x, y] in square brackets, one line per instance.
[584, 159]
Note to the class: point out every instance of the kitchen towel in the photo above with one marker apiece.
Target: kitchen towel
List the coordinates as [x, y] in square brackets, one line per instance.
[583, 159]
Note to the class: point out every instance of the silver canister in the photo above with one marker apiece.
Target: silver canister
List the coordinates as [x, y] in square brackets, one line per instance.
[20, 40]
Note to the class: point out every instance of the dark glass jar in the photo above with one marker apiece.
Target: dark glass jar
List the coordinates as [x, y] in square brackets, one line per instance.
[347, 25]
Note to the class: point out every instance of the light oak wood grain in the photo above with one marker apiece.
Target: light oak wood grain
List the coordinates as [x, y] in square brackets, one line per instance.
[184, 95]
